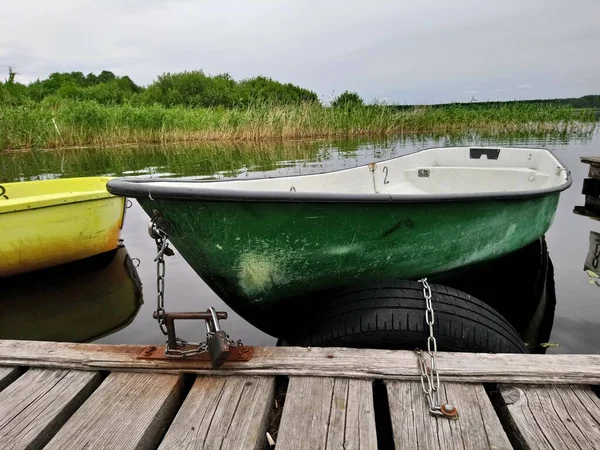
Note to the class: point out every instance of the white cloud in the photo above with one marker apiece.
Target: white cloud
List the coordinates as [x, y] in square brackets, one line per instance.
[523, 86]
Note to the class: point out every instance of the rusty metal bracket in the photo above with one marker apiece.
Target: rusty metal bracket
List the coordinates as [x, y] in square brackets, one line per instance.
[236, 354]
[170, 318]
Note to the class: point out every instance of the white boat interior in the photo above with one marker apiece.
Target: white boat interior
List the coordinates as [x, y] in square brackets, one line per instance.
[445, 170]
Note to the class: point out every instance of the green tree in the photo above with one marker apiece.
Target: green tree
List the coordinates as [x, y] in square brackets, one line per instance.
[11, 91]
[11, 76]
[197, 89]
[347, 100]
[262, 89]
[74, 85]
[106, 76]
[191, 89]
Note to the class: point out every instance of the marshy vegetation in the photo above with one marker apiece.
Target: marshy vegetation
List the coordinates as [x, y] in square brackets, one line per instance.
[74, 110]
[232, 159]
[87, 123]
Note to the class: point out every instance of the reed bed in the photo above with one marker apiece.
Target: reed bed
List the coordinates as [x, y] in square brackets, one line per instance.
[86, 123]
[227, 158]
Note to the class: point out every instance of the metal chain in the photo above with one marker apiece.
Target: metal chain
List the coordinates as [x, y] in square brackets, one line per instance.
[162, 243]
[429, 374]
[199, 347]
[430, 377]
[162, 248]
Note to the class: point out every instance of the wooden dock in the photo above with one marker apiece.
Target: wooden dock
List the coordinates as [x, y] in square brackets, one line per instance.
[76, 396]
[591, 189]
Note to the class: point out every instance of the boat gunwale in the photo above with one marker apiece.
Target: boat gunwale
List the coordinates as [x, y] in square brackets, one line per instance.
[142, 187]
[55, 199]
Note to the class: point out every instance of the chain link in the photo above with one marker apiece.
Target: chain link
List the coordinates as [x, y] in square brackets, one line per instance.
[430, 380]
[162, 243]
[430, 377]
[198, 347]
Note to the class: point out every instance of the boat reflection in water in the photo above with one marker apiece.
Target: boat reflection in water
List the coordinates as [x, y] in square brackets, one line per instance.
[592, 261]
[520, 286]
[101, 295]
[75, 302]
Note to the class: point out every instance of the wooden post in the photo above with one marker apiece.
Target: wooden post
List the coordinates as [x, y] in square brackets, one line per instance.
[591, 189]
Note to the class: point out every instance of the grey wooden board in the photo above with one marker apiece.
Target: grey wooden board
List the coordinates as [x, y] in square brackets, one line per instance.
[590, 159]
[34, 407]
[327, 413]
[127, 411]
[477, 427]
[8, 375]
[223, 413]
[594, 163]
[326, 362]
[561, 417]
[352, 418]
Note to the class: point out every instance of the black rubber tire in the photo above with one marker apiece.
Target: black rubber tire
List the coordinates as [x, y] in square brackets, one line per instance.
[391, 315]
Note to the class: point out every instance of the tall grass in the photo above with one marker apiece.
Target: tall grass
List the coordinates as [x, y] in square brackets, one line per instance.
[86, 123]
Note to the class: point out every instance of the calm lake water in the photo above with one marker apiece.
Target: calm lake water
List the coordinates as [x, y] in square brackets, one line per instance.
[100, 311]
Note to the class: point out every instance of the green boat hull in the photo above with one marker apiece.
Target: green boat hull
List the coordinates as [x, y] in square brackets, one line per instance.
[259, 255]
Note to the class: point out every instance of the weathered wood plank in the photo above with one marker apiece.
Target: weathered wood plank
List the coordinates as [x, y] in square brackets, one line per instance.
[413, 427]
[594, 160]
[327, 413]
[34, 407]
[8, 375]
[561, 417]
[127, 411]
[306, 412]
[223, 412]
[594, 163]
[327, 362]
[352, 421]
[249, 424]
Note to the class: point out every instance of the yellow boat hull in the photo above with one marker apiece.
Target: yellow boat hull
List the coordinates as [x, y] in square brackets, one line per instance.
[51, 222]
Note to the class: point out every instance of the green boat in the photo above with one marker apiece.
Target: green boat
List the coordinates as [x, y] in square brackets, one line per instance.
[259, 243]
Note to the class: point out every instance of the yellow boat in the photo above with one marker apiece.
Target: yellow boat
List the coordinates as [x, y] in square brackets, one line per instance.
[50, 222]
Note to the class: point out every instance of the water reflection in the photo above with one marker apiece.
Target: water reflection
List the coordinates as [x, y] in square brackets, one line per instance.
[528, 306]
[256, 159]
[592, 262]
[101, 295]
[75, 302]
[520, 286]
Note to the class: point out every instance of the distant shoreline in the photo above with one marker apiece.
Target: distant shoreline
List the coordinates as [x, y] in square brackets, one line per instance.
[71, 110]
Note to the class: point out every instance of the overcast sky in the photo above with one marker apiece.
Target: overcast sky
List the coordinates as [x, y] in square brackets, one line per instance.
[402, 51]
